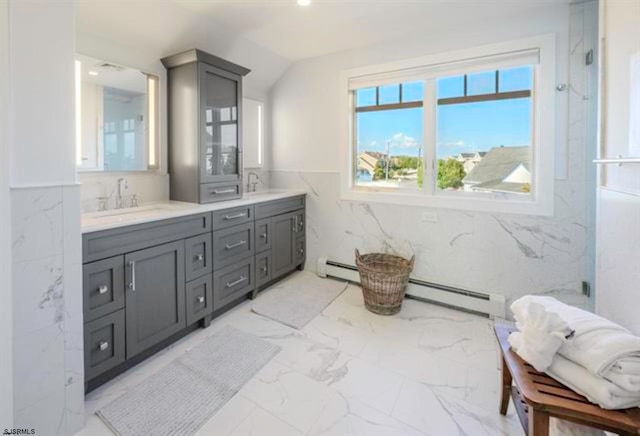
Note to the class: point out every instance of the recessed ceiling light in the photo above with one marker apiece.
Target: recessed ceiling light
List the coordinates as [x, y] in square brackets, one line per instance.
[304, 2]
[93, 73]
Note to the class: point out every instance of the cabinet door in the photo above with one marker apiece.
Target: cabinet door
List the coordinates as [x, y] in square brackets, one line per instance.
[283, 258]
[155, 295]
[220, 133]
[263, 235]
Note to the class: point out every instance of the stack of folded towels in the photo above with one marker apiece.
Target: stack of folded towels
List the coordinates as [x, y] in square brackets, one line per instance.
[593, 356]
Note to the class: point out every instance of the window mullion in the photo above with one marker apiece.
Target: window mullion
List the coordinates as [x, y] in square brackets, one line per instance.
[429, 137]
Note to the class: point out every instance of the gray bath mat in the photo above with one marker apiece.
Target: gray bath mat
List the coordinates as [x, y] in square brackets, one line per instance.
[298, 299]
[181, 397]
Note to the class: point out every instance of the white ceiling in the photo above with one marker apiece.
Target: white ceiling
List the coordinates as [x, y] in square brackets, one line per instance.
[267, 36]
[328, 26]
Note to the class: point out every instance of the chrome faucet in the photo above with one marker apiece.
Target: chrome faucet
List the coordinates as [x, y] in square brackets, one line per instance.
[251, 187]
[121, 182]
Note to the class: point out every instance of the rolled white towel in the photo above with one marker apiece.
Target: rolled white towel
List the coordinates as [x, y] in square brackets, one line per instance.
[626, 381]
[597, 390]
[626, 366]
[541, 336]
[598, 345]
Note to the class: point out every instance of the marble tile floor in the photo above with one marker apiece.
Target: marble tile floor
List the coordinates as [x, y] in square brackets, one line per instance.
[426, 371]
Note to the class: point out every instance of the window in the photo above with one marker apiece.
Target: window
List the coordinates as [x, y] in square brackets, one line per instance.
[465, 132]
[484, 128]
[389, 132]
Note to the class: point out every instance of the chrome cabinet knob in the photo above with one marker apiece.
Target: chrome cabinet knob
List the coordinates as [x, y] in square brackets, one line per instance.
[200, 299]
[103, 289]
[200, 257]
[103, 345]
[263, 236]
[264, 269]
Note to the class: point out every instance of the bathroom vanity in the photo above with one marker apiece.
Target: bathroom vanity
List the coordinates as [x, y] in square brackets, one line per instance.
[154, 274]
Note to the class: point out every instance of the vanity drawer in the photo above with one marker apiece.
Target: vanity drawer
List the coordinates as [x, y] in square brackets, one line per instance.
[198, 256]
[212, 192]
[277, 207]
[232, 282]
[103, 287]
[199, 298]
[263, 235]
[263, 268]
[232, 245]
[232, 217]
[103, 344]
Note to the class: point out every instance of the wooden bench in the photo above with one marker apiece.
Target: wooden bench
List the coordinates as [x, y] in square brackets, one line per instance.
[538, 397]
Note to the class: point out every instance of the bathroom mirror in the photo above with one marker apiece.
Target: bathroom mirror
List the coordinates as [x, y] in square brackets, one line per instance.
[116, 117]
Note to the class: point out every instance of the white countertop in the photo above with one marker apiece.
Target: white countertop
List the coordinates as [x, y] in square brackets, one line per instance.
[111, 219]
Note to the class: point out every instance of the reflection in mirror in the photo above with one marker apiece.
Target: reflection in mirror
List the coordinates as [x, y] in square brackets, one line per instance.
[221, 126]
[117, 120]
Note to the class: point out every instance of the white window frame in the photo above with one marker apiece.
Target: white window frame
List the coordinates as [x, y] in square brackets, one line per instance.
[541, 200]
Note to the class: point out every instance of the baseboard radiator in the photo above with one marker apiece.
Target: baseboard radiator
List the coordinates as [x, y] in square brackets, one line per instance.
[491, 305]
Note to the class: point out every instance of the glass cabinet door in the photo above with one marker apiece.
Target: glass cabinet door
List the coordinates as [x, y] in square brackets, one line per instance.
[219, 101]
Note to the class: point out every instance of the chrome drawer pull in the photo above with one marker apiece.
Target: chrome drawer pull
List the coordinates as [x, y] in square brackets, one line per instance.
[103, 289]
[237, 244]
[263, 236]
[200, 256]
[223, 191]
[232, 217]
[104, 345]
[200, 299]
[237, 282]
[132, 283]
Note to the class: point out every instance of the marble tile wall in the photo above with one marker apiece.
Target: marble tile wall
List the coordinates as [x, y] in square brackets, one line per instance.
[263, 178]
[512, 255]
[618, 274]
[47, 305]
[148, 188]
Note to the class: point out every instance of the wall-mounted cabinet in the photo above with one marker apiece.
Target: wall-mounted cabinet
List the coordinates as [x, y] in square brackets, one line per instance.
[205, 127]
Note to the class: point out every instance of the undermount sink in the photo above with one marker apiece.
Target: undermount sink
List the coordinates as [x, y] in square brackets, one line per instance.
[132, 210]
[260, 193]
[129, 214]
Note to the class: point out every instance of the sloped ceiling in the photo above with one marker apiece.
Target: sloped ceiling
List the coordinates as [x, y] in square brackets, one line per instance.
[269, 35]
[328, 26]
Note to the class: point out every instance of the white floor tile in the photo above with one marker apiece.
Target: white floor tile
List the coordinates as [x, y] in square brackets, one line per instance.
[262, 423]
[428, 370]
[288, 395]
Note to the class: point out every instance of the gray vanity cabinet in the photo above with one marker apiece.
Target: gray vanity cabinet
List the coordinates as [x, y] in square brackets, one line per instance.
[146, 285]
[155, 298]
[205, 116]
[282, 244]
[288, 243]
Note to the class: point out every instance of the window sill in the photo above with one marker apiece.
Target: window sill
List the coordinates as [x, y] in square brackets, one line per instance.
[451, 201]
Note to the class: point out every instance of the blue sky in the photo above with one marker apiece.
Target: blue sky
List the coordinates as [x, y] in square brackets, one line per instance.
[461, 127]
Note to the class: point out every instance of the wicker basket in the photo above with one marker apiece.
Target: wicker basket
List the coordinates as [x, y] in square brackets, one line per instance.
[384, 280]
